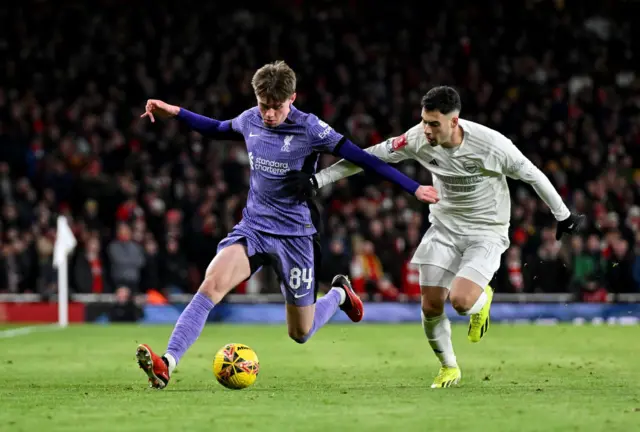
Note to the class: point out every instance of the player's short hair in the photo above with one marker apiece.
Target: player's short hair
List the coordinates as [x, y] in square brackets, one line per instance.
[444, 99]
[274, 82]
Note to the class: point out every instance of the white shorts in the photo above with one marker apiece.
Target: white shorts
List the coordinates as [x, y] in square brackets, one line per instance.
[443, 255]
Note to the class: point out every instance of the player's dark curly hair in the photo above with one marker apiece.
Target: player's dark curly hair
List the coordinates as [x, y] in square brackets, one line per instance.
[444, 99]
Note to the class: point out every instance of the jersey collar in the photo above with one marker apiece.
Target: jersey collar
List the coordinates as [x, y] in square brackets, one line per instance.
[293, 115]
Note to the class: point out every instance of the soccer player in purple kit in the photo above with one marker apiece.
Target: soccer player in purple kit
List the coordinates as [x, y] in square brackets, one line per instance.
[278, 228]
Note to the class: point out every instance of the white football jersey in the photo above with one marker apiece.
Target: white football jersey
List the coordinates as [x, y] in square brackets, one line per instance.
[470, 179]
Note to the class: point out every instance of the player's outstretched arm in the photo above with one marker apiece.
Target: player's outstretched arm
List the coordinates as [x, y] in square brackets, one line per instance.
[206, 126]
[363, 159]
[324, 138]
[517, 166]
[344, 168]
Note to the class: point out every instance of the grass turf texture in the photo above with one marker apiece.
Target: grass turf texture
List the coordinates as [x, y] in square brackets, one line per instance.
[351, 378]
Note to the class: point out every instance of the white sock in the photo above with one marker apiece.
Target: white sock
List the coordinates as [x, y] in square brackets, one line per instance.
[438, 332]
[171, 361]
[343, 294]
[478, 305]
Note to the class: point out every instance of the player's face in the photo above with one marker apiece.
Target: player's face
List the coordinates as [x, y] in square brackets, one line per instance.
[275, 112]
[438, 127]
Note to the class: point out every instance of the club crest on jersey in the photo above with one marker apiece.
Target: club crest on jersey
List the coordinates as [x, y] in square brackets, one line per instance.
[397, 143]
[287, 143]
[470, 166]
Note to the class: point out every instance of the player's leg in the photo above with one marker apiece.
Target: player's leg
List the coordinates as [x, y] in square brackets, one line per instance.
[298, 260]
[470, 290]
[304, 321]
[436, 324]
[434, 282]
[438, 259]
[228, 268]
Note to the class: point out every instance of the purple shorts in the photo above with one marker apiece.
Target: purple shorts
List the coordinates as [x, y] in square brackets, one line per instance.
[295, 260]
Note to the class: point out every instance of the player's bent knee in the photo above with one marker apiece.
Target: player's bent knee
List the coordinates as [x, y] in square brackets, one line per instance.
[431, 310]
[464, 294]
[215, 287]
[300, 322]
[432, 301]
[210, 288]
[300, 335]
[462, 302]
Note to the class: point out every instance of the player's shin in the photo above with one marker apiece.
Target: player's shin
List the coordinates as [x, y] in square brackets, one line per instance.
[438, 332]
[188, 328]
[326, 307]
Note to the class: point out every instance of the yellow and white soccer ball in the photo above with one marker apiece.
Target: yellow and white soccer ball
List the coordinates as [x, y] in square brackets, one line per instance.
[236, 366]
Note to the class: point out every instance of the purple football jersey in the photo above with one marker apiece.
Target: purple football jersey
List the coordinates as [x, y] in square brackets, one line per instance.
[273, 152]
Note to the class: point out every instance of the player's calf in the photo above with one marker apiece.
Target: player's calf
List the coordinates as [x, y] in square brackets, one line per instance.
[304, 321]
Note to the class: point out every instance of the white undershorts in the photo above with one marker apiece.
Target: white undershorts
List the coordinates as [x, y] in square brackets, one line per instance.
[443, 255]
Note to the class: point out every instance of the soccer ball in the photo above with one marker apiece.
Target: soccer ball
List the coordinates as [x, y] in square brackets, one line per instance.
[236, 366]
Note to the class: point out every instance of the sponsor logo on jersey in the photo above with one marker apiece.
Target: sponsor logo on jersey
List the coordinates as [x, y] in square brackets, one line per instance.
[434, 162]
[396, 143]
[326, 131]
[267, 165]
[460, 184]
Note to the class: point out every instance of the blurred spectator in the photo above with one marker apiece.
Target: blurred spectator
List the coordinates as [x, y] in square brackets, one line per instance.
[335, 261]
[512, 279]
[174, 271]
[88, 275]
[150, 278]
[127, 259]
[586, 263]
[592, 291]
[563, 89]
[411, 281]
[619, 276]
[366, 269]
[550, 273]
[127, 308]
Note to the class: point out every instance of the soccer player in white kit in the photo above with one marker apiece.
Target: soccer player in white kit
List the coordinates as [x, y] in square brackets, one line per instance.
[461, 251]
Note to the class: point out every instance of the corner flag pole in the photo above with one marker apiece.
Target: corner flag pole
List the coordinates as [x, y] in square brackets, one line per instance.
[64, 245]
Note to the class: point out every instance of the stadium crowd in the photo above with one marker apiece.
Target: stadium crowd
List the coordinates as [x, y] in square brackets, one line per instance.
[150, 202]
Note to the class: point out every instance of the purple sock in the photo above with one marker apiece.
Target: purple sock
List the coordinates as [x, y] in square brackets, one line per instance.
[189, 325]
[326, 307]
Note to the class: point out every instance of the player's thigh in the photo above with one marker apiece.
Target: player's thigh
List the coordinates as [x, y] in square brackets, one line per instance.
[228, 268]
[480, 261]
[434, 287]
[231, 265]
[438, 248]
[297, 261]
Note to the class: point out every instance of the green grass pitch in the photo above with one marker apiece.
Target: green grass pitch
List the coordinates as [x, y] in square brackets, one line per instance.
[346, 378]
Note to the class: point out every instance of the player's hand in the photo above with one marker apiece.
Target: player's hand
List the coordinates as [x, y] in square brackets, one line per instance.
[570, 225]
[427, 194]
[159, 108]
[300, 184]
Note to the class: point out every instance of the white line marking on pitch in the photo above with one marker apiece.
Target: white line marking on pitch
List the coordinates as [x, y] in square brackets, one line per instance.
[20, 331]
